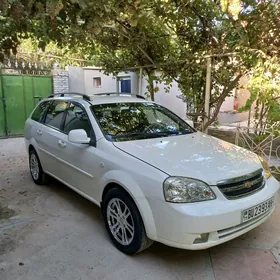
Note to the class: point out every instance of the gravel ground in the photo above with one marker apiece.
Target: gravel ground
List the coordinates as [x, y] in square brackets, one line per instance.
[50, 232]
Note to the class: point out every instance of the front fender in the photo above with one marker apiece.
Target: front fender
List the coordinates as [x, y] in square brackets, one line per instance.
[130, 185]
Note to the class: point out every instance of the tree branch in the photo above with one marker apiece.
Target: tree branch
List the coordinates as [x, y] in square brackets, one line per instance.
[128, 37]
[222, 97]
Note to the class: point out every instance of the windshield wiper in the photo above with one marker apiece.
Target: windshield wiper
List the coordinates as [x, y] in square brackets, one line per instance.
[149, 135]
[177, 132]
[142, 134]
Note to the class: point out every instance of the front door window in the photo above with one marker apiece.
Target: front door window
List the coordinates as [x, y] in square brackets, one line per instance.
[76, 118]
[54, 116]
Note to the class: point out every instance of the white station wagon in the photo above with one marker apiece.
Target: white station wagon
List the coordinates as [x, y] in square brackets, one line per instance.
[154, 176]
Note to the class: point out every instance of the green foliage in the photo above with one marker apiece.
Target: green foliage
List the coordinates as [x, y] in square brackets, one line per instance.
[30, 51]
[264, 86]
[166, 36]
[232, 7]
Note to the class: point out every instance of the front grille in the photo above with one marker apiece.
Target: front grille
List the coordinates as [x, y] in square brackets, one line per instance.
[242, 186]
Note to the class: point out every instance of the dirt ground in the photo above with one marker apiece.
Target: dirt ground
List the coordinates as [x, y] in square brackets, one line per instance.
[50, 232]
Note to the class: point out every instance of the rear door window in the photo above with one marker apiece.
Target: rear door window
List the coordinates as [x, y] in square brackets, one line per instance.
[40, 110]
[55, 114]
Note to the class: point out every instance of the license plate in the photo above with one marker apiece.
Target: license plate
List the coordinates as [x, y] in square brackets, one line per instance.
[257, 210]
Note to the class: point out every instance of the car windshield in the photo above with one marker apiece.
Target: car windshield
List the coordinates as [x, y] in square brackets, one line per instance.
[134, 121]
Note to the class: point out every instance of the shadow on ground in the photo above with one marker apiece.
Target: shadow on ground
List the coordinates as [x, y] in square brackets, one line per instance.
[50, 232]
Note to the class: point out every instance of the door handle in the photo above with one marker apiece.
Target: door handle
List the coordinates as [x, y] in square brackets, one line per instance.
[39, 132]
[61, 143]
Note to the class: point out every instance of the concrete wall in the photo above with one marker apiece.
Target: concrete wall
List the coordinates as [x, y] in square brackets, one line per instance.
[243, 93]
[232, 117]
[228, 104]
[76, 79]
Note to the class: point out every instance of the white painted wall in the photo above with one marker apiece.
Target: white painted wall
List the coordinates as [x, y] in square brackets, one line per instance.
[76, 79]
[108, 83]
[134, 80]
[169, 100]
[81, 80]
[228, 104]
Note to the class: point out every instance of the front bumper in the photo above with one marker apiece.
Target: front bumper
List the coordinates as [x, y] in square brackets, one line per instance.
[181, 225]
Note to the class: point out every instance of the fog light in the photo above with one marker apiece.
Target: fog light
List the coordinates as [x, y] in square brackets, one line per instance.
[203, 238]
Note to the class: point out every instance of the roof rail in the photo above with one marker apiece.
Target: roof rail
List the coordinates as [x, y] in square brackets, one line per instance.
[85, 96]
[121, 93]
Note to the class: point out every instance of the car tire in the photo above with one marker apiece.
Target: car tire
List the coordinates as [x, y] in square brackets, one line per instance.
[38, 175]
[125, 226]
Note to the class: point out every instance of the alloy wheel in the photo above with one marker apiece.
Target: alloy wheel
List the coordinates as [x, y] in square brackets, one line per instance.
[120, 221]
[34, 166]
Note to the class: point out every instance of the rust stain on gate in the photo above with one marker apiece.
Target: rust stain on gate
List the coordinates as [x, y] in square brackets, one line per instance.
[20, 91]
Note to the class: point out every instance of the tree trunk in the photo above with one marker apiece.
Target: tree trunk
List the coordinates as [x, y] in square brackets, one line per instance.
[152, 90]
[151, 87]
[221, 99]
[262, 118]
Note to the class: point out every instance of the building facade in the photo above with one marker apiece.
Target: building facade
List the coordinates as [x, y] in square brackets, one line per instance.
[92, 80]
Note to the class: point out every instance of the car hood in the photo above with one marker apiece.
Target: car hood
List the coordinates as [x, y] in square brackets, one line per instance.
[195, 155]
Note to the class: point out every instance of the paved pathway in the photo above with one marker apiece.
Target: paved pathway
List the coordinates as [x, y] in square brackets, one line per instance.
[49, 232]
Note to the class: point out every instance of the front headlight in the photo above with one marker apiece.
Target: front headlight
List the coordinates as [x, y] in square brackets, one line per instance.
[181, 189]
[265, 167]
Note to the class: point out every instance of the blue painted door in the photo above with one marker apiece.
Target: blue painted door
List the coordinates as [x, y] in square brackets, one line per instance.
[126, 86]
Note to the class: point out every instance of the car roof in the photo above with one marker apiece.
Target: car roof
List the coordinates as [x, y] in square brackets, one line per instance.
[115, 99]
[103, 98]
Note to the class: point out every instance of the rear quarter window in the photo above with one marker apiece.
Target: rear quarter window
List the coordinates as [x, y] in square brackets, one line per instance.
[38, 113]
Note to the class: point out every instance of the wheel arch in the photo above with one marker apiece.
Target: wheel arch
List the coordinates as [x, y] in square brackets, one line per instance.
[31, 144]
[30, 148]
[134, 191]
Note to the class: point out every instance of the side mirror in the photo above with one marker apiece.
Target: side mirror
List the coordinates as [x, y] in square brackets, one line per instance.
[78, 136]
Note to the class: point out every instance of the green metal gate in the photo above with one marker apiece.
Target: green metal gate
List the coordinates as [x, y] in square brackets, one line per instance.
[20, 91]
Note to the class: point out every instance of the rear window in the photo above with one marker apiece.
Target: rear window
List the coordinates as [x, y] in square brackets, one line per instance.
[39, 111]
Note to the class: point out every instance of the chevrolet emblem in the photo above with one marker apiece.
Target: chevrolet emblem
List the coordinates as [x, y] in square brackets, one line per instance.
[248, 185]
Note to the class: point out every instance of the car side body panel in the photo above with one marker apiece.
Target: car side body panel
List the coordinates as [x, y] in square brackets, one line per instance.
[140, 167]
[136, 177]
